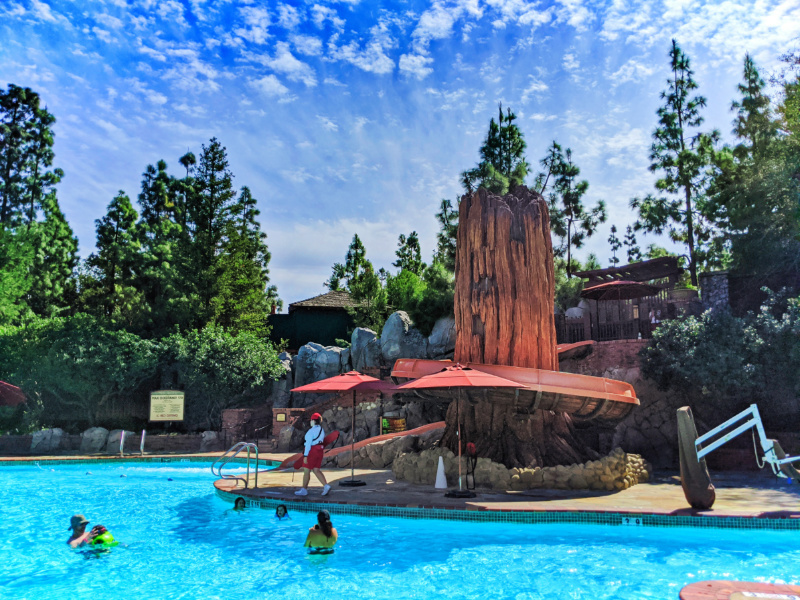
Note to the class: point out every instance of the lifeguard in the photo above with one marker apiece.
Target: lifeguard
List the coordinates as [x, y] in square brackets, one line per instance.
[312, 456]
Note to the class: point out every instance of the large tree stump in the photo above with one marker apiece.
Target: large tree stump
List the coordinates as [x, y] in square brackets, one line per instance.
[504, 301]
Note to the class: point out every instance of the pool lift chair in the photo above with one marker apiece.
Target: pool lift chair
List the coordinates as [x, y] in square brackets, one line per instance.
[695, 480]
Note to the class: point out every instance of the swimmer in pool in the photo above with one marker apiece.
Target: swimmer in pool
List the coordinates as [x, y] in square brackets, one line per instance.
[239, 504]
[281, 513]
[79, 536]
[323, 536]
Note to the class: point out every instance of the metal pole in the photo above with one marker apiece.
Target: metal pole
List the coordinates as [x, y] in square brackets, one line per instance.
[122, 443]
[458, 420]
[353, 441]
[141, 446]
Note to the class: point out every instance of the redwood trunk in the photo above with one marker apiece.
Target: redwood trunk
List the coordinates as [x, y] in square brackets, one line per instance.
[504, 306]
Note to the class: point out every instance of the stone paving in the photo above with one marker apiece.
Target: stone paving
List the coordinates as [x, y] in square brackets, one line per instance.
[738, 494]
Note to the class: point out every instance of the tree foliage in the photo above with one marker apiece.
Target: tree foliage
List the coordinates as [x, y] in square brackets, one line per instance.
[615, 245]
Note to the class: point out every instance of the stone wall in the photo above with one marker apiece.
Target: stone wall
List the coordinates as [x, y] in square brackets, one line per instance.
[617, 471]
[714, 290]
[70, 444]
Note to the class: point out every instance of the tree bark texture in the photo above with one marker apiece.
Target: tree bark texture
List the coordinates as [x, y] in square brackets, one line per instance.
[504, 307]
[505, 281]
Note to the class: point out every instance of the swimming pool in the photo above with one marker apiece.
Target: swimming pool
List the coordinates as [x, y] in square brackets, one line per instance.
[184, 542]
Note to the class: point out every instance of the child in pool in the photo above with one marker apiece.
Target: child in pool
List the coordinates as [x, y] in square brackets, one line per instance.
[281, 513]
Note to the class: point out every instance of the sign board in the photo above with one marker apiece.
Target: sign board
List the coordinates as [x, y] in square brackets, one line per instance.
[166, 405]
[280, 417]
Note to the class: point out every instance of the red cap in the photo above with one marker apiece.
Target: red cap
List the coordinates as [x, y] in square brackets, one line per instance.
[316, 417]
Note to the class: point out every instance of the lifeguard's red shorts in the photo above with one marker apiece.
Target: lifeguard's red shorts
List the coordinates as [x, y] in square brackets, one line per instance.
[314, 458]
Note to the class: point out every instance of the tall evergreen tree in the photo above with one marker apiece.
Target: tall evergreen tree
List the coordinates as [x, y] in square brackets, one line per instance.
[681, 154]
[570, 221]
[115, 263]
[446, 237]
[502, 164]
[631, 247]
[615, 245]
[55, 256]
[17, 112]
[409, 254]
[16, 256]
[244, 301]
[353, 267]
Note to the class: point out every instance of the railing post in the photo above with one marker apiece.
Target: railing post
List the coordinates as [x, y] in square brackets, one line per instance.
[122, 444]
[141, 446]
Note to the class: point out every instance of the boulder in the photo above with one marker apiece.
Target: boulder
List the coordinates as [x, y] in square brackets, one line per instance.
[365, 350]
[442, 340]
[46, 441]
[112, 444]
[280, 395]
[290, 439]
[574, 313]
[210, 441]
[94, 440]
[400, 339]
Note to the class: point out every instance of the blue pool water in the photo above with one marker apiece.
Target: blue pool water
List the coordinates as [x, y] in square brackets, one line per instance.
[183, 542]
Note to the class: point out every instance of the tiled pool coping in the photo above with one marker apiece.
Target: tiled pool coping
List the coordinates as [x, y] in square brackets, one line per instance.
[482, 514]
[27, 462]
[724, 590]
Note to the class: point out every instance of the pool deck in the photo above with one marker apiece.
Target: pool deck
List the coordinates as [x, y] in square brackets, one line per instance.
[748, 495]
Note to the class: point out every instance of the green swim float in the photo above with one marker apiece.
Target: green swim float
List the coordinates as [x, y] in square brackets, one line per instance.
[103, 541]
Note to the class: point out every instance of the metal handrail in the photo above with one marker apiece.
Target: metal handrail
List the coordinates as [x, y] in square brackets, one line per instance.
[229, 455]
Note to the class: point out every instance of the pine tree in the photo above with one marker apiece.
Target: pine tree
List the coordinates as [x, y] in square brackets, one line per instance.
[631, 248]
[503, 164]
[754, 124]
[569, 219]
[615, 244]
[681, 154]
[244, 300]
[40, 181]
[114, 264]
[409, 254]
[55, 256]
[446, 237]
[17, 111]
[16, 256]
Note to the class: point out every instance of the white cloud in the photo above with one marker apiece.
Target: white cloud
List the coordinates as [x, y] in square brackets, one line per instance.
[521, 12]
[270, 86]
[333, 81]
[300, 175]
[632, 70]
[575, 13]
[327, 123]
[535, 89]
[288, 16]
[102, 34]
[320, 14]
[42, 11]
[359, 123]
[307, 44]
[436, 23]
[109, 21]
[296, 70]
[542, 117]
[257, 23]
[372, 58]
[416, 65]
[172, 11]
[570, 62]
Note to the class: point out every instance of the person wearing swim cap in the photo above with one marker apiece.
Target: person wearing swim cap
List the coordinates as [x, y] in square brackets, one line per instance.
[312, 456]
[79, 536]
[323, 536]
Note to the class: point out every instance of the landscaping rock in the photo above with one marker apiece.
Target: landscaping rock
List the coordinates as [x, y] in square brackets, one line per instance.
[94, 440]
[290, 439]
[365, 350]
[46, 441]
[112, 445]
[315, 362]
[210, 442]
[442, 340]
[280, 395]
[400, 339]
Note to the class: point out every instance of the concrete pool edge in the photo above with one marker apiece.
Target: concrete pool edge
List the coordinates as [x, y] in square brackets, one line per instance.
[530, 516]
[110, 459]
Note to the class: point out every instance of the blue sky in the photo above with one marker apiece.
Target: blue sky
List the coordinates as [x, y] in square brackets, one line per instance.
[350, 116]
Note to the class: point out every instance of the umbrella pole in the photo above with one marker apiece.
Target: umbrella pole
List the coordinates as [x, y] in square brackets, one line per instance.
[353, 482]
[458, 419]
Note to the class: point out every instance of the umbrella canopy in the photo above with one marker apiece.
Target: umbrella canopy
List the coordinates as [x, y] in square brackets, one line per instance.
[10, 395]
[458, 376]
[344, 382]
[620, 290]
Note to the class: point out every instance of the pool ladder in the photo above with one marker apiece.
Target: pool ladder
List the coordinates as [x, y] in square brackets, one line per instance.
[233, 452]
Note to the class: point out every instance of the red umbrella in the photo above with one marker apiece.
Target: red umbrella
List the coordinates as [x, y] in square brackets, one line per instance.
[10, 395]
[459, 377]
[357, 382]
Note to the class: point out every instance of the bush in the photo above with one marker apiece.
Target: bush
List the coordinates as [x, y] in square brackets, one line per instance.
[436, 300]
[218, 370]
[720, 364]
[73, 368]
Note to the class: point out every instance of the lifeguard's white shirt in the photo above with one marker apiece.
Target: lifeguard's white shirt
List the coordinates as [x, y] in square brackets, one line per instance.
[314, 436]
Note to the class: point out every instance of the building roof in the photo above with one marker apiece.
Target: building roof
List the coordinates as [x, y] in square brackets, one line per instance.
[330, 301]
[647, 270]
